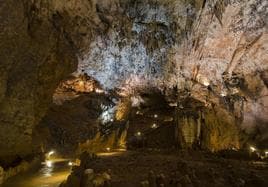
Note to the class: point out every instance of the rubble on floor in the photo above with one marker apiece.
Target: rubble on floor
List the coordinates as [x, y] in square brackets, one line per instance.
[167, 169]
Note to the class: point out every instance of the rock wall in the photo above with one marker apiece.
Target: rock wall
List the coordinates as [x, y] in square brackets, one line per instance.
[223, 59]
[35, 55]
[21, 167]
[214, 129]
[40, 43]
[83, 118]
[133, 52]
[216, 50]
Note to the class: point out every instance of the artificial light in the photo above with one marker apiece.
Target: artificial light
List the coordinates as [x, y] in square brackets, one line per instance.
[70, 163]
[49, 163]
[253, 149]
[138, 133]
[154, 126]
[98, 90]
[51, 153]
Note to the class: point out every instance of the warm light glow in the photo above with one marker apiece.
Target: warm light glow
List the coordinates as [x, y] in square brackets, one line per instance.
[70, 163]
[51, 153]
[234, 149]
[138, 133]
[110, 153]
[49, 163]
[81, 83]
[266, 153]
[137, 112]
[108, 149]
[253, 149]
[154, 126]
[155, 116]
[99, 90]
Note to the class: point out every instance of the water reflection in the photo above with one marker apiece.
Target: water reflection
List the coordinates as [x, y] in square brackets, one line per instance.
[51, 174]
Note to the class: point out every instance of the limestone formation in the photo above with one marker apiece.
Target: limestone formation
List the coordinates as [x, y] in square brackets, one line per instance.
[212, 53]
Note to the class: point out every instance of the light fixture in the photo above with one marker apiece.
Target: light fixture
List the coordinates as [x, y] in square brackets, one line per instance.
[155, 116]
[49, 163]
[234, 149]
[154, 126]
[266, 153]
[51, 153]
[99, 90]
[70, 163]
[252, 149]
[138, 133]
[108, 149]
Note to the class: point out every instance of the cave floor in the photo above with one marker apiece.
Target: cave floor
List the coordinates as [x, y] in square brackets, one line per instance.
[47, 175]
[190, 168]
[173, 168]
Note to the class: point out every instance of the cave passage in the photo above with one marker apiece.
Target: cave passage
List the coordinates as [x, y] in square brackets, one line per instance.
[134, 93]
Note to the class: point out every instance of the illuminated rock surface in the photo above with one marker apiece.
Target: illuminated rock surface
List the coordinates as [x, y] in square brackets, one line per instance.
[91, 75]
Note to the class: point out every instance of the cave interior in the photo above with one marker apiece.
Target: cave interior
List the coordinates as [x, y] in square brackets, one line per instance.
[130, 93]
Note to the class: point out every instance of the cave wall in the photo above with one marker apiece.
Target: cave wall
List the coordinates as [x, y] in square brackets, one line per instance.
[225, 59]
[34, 56]
[217, 50]
[133, 51]
[208, 129]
